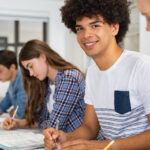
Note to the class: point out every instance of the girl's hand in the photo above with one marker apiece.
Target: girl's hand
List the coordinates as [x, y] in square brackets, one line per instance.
[9, 124]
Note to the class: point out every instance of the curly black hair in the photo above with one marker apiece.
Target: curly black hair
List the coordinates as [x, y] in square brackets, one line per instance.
[112, 11]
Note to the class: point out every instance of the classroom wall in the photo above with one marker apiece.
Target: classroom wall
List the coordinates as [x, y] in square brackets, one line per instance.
[131, 40]
[59, 37]
[57, 31]
[144, 37]
[49, 7]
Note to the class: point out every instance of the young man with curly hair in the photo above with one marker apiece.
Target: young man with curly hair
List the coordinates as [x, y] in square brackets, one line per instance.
[117, 92]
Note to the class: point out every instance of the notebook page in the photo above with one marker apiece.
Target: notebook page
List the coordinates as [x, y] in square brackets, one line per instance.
[21, 139]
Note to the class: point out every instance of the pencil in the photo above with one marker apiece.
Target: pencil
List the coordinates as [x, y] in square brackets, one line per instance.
[108, 146]
[14, 114]
[57, 127]
[57, 124]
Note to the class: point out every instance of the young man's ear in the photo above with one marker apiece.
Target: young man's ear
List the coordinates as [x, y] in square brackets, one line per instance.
[115, 29]
[13, 66]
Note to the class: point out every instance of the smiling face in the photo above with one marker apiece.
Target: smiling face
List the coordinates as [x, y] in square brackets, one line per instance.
[37, 67]
[94, 35]
[144, 8]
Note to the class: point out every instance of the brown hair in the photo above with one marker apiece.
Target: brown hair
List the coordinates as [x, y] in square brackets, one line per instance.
[36, 89]
[7, 58]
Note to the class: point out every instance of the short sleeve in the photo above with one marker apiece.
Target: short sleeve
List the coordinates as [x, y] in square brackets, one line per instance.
[143, 84]
[88, 97]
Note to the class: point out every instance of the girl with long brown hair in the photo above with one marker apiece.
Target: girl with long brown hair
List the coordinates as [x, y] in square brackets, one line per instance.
[54, 88]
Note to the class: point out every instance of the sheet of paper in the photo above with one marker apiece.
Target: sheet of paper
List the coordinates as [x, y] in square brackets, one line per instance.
[21, 138]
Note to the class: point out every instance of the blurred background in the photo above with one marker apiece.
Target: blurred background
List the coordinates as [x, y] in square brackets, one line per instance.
[23, 20]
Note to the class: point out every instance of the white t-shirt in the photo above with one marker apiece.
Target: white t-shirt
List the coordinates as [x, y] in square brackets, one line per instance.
[51, 100]
[121, 95]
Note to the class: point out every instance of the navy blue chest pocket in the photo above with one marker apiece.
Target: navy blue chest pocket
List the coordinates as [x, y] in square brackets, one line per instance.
[122, 102]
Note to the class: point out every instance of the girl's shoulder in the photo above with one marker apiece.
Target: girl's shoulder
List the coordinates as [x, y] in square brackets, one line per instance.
[73, 73]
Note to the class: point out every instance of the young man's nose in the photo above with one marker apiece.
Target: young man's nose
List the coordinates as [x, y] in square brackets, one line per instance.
[87, 33]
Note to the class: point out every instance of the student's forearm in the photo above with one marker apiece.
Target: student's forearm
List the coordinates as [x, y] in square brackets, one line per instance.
[83, 132]
[136, 142]
[21, 123]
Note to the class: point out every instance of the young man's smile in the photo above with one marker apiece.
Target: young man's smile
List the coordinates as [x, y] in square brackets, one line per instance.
[90, 45]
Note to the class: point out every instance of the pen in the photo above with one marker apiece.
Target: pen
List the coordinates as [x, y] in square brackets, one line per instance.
[57, 127]
[14, 114]
[108, 146]
[57, 124]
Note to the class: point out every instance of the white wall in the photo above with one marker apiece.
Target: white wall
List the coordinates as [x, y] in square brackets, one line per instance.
[60, 39]
[144, 37]
[57, 31]
[49, 7]
[74, 53]
[131, 40]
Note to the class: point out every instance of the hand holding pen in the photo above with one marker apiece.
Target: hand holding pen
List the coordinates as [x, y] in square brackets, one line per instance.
[49, 141]
[13, 117]
[57, 127]
[109, 145]
[10, 123]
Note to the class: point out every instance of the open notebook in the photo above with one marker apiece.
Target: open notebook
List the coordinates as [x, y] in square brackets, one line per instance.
[20, 139]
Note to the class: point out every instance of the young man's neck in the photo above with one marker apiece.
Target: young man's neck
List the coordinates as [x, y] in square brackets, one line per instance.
[13, 75]
[107, 59]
